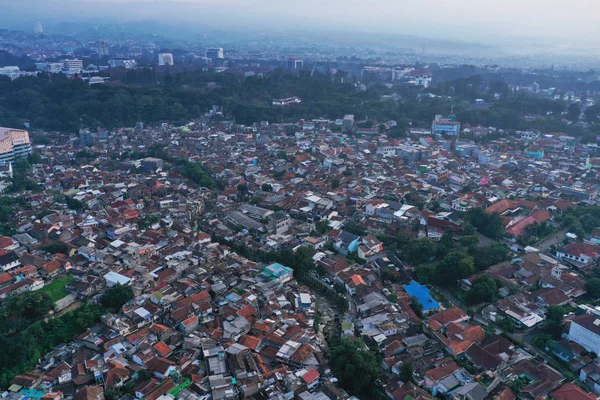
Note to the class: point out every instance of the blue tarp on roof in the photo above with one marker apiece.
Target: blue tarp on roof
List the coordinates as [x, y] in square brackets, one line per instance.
[421, 293]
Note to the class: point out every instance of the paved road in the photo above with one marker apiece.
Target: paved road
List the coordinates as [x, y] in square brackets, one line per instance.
[455, 302]
[484, 240]
[556, 238]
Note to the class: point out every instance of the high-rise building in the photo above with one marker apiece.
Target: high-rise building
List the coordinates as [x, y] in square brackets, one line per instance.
[294, 63]
[165, 59]
[103, 50]
[14, 143]
[38, 27]
[348, 122]
[214, 53]
[73, 65]
[122, 62]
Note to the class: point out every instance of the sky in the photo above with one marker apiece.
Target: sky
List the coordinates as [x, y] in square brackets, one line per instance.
[564, 22]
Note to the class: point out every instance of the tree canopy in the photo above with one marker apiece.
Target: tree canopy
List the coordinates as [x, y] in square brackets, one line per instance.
[355, 366]
[114, 297]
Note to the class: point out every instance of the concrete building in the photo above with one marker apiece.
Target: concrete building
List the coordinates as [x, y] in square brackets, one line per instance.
[348, 122]
[14, 143]
[449, 126]
[122, 63]
[102, 48]
[73, 65]
[279, 222]
[38, 27]
[585, 330]
[165, 59]
[294, 63]
[12, 72]
[214, 53]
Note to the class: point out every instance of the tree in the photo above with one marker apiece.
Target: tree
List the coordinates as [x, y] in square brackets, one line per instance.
[266, 187]
[469, 230]
[573, 112]
[355, 366]
[419, 251]
[114, 297]
[447, 239]
[322, 226]
[490, 224]
[593, 287]
[483, 289]
[406, 372]
[490, 255]
[555, 320]
[335, 183]
[56, 247]
[455, 265]
[469, 241]
[74, 204]
[256, 199]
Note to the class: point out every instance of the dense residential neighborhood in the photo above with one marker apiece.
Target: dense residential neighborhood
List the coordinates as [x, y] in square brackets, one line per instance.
[224, 261]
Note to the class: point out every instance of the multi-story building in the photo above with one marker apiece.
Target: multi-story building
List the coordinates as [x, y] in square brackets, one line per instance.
[38, 27]
[165, 59]
[73, 65]
[294, 63]
[585, 330]
[279, 222]
[12, 72]
[214, 53]
[14, 143]
[103, 50]
[348, 122]
[122, 63]
[449, 126]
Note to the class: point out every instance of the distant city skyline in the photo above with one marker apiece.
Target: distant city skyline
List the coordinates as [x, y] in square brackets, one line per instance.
[488, 21]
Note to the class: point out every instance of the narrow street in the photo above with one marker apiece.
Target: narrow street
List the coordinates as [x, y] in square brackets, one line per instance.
[555, 238]
[453, 300]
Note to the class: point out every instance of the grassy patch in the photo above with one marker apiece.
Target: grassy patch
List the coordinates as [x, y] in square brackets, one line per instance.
[56, 290]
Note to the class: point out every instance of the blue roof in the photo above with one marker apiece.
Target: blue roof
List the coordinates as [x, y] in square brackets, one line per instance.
[421, 293]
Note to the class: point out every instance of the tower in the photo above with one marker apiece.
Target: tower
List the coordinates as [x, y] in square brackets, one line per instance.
[38, 27]
[102, 48]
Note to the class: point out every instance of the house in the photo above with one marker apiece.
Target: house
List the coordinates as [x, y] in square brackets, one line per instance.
[188, 325]
[346, 243]
[569, 391]
[443, 318]
[311, 378]
[538, 379]
[8, 260]
[471, 391]
[442, 379]
[89, 393]
[579, 255]
[369, 247]
[590, 375]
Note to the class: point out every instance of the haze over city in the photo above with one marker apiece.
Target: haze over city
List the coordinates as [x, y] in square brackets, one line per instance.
[563, 26]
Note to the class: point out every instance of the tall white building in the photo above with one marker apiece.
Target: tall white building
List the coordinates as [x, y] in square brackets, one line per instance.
[165, 59]
[214, 53]
[585, 330]
[38, 27]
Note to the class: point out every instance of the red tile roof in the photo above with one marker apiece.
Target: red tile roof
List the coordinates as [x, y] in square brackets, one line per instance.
[162, 349]
[569, 391]
[310, 376]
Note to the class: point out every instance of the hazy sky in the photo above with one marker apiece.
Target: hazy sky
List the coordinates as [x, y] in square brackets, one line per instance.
[573, 21]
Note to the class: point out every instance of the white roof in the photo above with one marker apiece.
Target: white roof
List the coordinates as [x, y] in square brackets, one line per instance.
[117, 278]
[305, 298]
